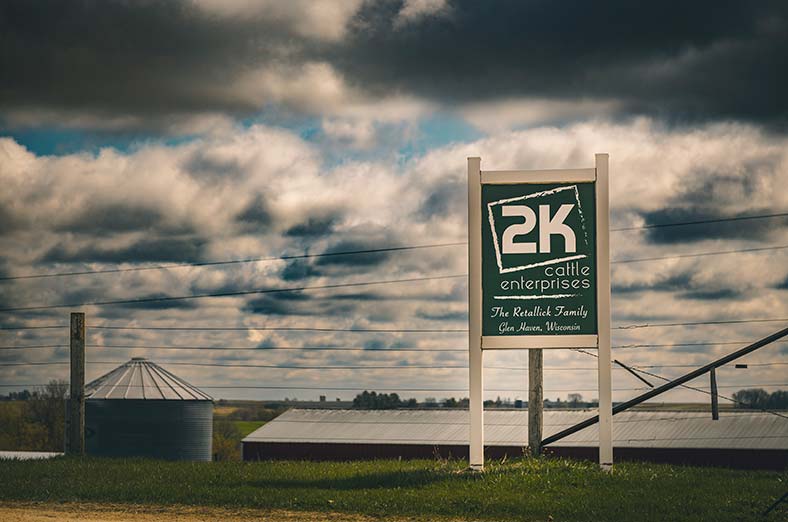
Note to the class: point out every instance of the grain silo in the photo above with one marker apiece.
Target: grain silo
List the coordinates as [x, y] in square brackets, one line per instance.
[141, 410]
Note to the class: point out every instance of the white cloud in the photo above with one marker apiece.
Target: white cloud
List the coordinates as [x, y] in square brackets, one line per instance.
[201, 186]
[358, 134]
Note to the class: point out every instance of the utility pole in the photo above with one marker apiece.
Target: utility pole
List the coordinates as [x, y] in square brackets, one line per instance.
[75, 428]
[535, 401]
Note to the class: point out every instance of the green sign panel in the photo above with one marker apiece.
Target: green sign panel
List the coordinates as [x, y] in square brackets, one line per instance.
[538, 259]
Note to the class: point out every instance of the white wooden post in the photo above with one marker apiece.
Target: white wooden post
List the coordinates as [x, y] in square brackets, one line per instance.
[476, 384]
[603, 312]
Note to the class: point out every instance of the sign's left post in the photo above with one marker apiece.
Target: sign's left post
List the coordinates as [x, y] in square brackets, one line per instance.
[475, 356]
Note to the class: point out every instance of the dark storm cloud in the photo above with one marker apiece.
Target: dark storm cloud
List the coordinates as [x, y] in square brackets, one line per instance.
[670, 283]
[148, 250]
[146, 60]
[718, 195]
[755, 229]
[110, 219]
[161, 305]
[443, 315]
[296, 303]
[312, 227]
[352, 245]
[682, 285]
[255, 216]
[712, 295]
[130, 58]
[442, 200]
[673, 59]
[9, 221]
[299, 269]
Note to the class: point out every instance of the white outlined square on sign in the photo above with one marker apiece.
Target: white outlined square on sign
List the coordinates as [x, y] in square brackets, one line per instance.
[491, 220]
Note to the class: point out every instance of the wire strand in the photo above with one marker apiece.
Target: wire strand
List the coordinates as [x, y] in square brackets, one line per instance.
[701, 222]
[231, 294]
[699, 323]
[701, 254]
[234, 261]
[361, 252]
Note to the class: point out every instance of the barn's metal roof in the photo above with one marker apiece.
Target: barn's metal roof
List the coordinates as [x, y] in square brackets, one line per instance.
[142, 379]
[635, 429]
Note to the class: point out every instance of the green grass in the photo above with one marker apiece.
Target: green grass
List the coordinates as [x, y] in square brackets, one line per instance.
[247, 427]
[527, 489]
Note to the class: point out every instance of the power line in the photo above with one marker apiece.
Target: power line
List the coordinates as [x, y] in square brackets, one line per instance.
[365, 350]
[675, 345]
[358, 252]
[235, 261]
[230, 294]
[670, 345]
[701, 254]
[701, 222]
[242, 348]
[279, 328]
[33, 327]
[365, 367]
[415, 330]
[355, 388]
[338, 347]
[379, 388]
[33, 346]
[725, 367]
[306, 367]
[345, 348]
[340, 285]
[272, 348]
[698, 323]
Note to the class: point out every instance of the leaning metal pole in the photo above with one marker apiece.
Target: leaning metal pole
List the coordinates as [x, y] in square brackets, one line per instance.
[669, 386]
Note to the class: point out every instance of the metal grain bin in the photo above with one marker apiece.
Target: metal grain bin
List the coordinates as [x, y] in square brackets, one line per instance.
[141, 410]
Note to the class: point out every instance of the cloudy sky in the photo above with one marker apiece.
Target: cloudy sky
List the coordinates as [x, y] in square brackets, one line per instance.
[136, 134]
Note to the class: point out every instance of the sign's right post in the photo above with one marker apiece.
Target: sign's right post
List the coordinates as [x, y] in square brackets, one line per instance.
[603, 312]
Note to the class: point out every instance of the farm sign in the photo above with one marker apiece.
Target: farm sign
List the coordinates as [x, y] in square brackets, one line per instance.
[538, 259]
[538, 275]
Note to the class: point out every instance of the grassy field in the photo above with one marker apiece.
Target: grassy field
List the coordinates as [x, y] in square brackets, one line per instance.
[528, 489]
[247, 427]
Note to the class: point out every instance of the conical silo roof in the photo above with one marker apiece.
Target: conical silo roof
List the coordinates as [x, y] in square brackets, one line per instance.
[143, 379]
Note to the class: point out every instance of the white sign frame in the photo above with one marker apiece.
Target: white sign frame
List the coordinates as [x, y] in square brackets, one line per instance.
[477, 343]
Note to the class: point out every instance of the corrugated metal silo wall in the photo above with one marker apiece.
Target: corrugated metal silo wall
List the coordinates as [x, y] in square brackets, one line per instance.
[161, 429]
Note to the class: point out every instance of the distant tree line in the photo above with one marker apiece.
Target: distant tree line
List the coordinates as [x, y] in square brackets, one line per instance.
[760, 398]
[381, 401]
[34, 420]
[371, 400]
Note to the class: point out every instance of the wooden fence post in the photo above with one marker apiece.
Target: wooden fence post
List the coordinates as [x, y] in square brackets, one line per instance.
[535, 401]
[75, 437]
